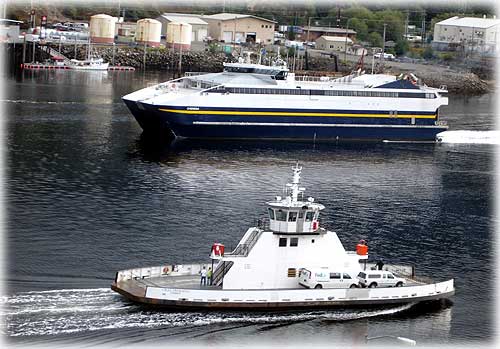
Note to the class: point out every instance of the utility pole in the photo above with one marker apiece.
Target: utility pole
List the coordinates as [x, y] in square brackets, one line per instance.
[24, 49]
[423, 29]
[406, 23]
[308, 27]
[180, 55]
[338, 16]
[345, 44]
[383, 44]
[144, 57]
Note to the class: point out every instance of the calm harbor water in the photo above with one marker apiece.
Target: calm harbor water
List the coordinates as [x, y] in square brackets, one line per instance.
[86, 196]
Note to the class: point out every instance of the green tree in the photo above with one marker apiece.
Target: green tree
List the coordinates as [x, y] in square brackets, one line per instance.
[359, 12]
[375, 39]
[360, 27]
[402, 47]
[395, 23]
[428, 53]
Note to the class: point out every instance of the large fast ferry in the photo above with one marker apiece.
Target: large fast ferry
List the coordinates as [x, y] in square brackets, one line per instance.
[288, 261]
[255, 101]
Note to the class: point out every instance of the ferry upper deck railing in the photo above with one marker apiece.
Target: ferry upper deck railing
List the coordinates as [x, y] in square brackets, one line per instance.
[194, 73]
[243, 249]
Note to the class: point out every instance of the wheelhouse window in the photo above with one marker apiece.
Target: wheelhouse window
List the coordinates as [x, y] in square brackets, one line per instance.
[347, 276]
[271, 213]
[281, 215]
[294, 242]
[309, 216]
[292, 216]
[282, 242]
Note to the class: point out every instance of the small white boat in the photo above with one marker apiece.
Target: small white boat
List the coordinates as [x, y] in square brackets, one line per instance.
[89, 64]
[289, 261]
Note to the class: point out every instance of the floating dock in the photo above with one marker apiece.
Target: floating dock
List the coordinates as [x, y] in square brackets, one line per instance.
[38, 66]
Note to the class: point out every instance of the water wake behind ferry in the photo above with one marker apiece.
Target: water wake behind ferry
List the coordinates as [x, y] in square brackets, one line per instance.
[69, 311]
[469, 137]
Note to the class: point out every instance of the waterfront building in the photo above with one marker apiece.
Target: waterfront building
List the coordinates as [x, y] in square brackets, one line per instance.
[313, 33]
[9, 30]
[238, 28]
[333, 43]
[198, 25]
[473, 34]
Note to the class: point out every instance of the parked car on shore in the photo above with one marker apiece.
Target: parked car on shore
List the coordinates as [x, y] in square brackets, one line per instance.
[388, 56]
[379, 278]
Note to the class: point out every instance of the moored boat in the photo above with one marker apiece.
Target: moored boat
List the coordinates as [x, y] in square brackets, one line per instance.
[289, 261]
[255, 101]
[92, 63]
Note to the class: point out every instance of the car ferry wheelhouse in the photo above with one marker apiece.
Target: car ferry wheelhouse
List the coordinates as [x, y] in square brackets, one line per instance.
[254, 101]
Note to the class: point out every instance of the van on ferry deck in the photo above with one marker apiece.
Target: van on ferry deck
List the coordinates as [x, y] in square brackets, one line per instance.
[327, 278]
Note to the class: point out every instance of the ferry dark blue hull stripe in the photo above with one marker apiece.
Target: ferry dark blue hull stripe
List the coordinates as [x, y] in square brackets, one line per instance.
[235, 125]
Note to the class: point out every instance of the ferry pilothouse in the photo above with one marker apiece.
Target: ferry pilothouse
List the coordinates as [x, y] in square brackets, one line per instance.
[255, 101]
[290, 262]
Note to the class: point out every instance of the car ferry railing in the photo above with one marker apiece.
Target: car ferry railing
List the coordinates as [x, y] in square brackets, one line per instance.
[164, 270]
[220, 272]
[243, 249]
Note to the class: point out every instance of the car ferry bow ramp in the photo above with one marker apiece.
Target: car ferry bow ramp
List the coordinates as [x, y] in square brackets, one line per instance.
[178, 287]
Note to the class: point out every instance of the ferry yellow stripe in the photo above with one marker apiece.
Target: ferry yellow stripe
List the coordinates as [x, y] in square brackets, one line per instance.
[279, 113]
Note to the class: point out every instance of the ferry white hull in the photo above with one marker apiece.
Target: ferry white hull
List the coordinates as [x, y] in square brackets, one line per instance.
[177, 297]
[188, 113]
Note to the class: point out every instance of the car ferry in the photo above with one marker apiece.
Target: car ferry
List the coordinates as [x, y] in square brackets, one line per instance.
[255, 101]
[289, 262]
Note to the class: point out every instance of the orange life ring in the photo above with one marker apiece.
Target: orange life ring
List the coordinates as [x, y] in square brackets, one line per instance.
[166, 270]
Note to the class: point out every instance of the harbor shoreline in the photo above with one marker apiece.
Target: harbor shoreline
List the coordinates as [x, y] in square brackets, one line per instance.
[161, 59]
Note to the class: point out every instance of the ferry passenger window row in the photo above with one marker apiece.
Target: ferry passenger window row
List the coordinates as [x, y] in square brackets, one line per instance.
[252, 70]
[345, 93]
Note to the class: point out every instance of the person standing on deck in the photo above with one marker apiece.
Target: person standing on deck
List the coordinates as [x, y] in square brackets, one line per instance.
[203, 280]
[209, 276]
